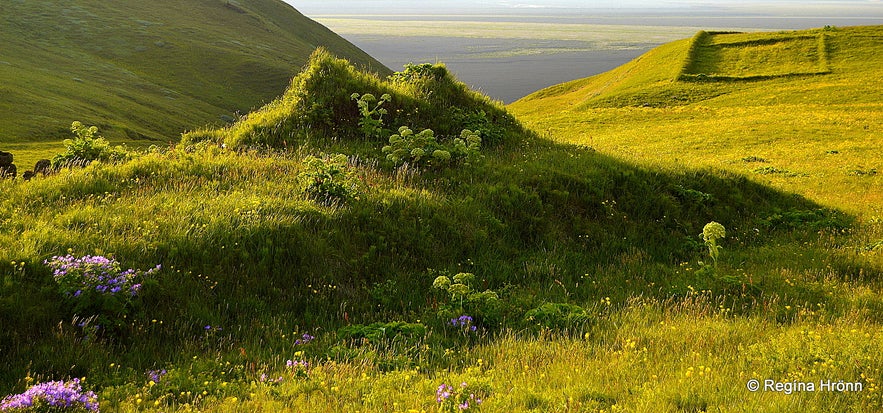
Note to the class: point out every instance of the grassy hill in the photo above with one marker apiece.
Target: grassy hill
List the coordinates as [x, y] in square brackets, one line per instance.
[146, 71]
[315, 256]
[796, 110]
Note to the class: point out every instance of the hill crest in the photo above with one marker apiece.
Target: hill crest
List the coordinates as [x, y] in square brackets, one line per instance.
[149, 70]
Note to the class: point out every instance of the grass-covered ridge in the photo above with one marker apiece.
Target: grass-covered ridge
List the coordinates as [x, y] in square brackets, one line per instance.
[318, 108]
[304, 267]
[815, 135]
[146, 69]
[736, 56]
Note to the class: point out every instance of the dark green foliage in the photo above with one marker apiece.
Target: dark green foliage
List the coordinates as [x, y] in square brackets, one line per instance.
[418, 73]
[462, 299]
[814, 219]
[558, 316]
[327, 179]
[408, 333]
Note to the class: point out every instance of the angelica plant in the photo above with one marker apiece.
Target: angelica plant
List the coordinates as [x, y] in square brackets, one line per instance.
[372, 114]
[711, 233]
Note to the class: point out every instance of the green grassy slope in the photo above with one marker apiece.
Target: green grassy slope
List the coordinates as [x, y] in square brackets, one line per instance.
[800, 111]
[147, 70]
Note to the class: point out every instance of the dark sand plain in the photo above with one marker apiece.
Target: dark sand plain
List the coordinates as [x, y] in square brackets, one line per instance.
[504, 69]
[509, 57]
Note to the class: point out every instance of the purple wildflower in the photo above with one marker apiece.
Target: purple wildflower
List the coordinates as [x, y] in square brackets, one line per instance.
[156, 375]
[306, 338]
[443, 392]
[464, 322]
[56, 394]
[453, 400]
[96, 274]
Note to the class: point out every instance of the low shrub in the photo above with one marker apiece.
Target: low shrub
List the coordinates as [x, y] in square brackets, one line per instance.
[87, 146]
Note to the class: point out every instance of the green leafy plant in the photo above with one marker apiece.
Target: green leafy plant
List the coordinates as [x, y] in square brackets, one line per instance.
[492, 128]
[486, 305]
[468, 146]
[408, 333]
[372, 113]
[424, 149]
[711, 233]
[87, 146]
[413, 72]
[558, 316]
[327, 179]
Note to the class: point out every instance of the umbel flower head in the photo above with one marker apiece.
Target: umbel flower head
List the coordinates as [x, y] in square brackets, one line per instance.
[713, 231]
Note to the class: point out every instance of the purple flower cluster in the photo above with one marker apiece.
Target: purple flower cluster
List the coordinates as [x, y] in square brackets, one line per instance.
[95, 273]
[464, 322]
[454, 400]
[443, 393]
[266, 379]
[306, 338]
[297, 363]
[56, 394]
[156, 375]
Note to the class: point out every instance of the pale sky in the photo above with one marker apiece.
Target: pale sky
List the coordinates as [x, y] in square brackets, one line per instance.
[795, 8]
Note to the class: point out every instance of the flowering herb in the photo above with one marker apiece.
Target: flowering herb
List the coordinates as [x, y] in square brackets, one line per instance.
[98, 286]
[264, 378]
[52, 396]
[451, 399]
[98, 274]
[711, 233]
[156, 375]
[463, 322]
[304, 339]
[298, 368]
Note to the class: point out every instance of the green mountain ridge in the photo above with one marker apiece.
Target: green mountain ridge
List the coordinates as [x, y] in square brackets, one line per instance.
[805, 103]
[149, 69]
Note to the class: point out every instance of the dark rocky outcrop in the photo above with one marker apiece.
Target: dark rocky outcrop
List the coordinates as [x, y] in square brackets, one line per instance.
[43, 166]
[7, 168]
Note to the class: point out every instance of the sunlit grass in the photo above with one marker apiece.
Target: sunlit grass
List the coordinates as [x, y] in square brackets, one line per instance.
[820, 138]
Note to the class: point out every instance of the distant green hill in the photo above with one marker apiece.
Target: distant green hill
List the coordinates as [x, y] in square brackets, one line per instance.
[148, 69]
[798, 110]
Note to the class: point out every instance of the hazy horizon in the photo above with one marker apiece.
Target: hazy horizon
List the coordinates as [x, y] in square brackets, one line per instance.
[773, 8]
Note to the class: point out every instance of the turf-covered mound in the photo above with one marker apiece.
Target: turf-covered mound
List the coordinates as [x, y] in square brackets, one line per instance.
[319, 107]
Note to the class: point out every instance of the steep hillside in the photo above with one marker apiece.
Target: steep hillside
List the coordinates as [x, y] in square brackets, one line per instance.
[798, 110]
[148, 69]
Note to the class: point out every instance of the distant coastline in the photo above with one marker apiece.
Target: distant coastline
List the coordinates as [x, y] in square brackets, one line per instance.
[509, 56]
